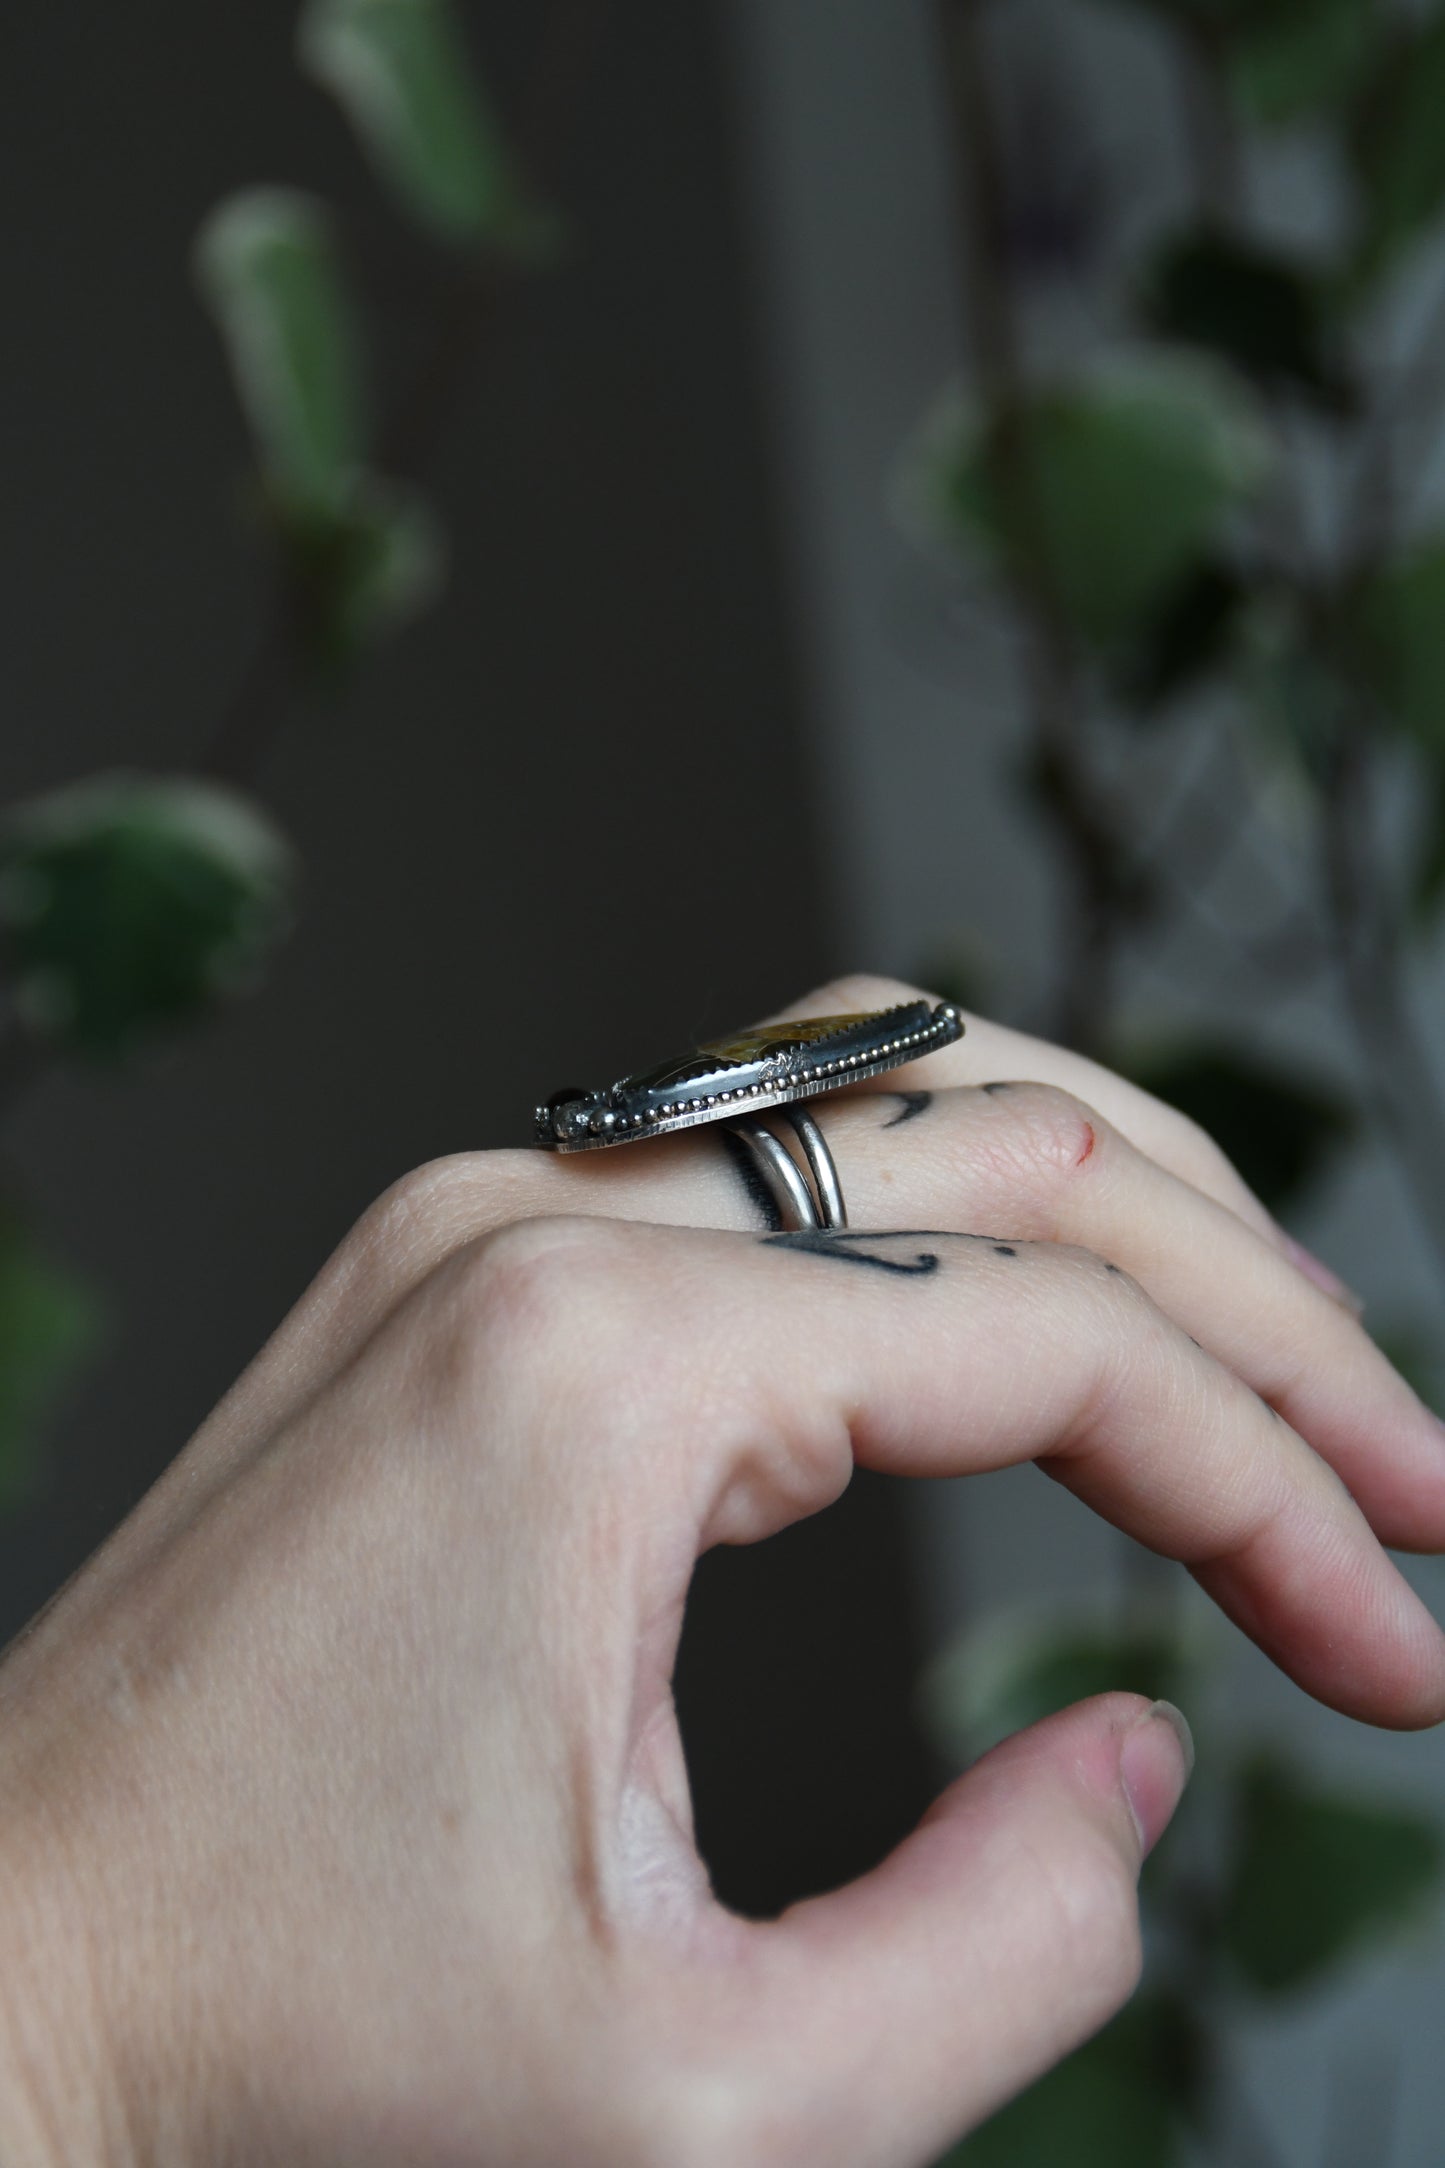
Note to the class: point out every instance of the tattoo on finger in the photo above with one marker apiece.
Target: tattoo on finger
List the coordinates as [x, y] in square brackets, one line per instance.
[911, 1104]
[841, 1245]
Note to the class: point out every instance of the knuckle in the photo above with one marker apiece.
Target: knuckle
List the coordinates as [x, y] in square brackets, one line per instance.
[434, 1199]
[1038, 1139]
[537, 1275]
[794, 1464]
[396, 1242]
[539, 1296]
[1116, 1332]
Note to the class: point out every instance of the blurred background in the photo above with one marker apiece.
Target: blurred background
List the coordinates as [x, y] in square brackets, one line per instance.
[537, 532]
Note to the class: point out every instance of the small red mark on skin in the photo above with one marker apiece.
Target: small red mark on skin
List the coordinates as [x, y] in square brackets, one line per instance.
[1093, 1140]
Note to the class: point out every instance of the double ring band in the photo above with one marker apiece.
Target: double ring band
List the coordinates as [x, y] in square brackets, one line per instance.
[734, 1081]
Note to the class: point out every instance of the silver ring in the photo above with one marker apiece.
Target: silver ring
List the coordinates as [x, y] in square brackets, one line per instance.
[801, 1206]
[734, 1080]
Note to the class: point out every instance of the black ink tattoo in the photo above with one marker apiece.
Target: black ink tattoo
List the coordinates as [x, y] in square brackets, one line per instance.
[759, 1195]
[1004, 1249]
[829, 1242]
[913, 1103]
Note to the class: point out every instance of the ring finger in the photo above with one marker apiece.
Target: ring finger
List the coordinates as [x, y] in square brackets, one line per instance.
[1027, 1160]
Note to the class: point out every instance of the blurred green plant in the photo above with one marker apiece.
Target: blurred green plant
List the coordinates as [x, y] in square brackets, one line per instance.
[400, 72]
[133, 906]
[1207, 531]
[50, 1321]
[129, 904]
[1305, 1880]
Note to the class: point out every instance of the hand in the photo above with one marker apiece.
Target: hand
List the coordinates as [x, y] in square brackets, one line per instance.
[345, 1814]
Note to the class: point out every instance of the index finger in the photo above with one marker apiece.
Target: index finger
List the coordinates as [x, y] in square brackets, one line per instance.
[944, 1354]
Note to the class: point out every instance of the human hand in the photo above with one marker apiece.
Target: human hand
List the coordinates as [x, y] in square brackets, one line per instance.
[345, 1813]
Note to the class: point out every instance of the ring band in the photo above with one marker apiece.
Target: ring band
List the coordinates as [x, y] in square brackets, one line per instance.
[734, 1080]
[820, 1206]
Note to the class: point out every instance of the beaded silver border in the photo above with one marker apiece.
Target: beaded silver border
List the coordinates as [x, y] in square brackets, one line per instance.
[944, 1026]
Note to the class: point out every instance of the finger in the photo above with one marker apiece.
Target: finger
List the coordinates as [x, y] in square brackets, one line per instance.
[1019, 1159]
[989, 1051]
[1030, 1160]
[453, 1200]
[891, 2016]
[779, 1360]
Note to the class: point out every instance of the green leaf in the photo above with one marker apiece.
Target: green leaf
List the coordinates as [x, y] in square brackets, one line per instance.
[1293, 59]
[1189, 637]
[267, 270]
[1257, 308]
[400, 72]
[1121, 482]
[1399, 144]
[1400, 617]
[1278, 1128]
[129, 904]
[49, 1321]
[364, 574]
[1021, 1665]
[1316, 1877]
[1120, 2101]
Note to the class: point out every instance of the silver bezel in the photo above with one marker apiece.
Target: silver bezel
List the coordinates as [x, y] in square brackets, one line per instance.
[802, 1075]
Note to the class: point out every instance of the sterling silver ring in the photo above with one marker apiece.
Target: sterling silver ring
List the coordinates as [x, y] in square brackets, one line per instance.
[733, 1081]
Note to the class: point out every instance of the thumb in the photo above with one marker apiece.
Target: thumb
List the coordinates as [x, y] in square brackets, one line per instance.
[898, 2012]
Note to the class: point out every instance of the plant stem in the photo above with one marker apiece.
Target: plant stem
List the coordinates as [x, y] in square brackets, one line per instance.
[1260, 2150]
[1364, 2107]
[467, 308]
[1093, 902]
[1400, 1084]
[1374, 513]
[470, 304]
[260, 701]
[1209, 129]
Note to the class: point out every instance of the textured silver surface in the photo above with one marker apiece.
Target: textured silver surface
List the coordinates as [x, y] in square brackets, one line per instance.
[711, 1084]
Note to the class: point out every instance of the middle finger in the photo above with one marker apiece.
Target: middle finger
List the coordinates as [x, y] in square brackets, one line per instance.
[1024, 1159]
[1033, 1161]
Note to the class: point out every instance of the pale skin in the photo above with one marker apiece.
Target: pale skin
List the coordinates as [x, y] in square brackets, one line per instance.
[343, 1817]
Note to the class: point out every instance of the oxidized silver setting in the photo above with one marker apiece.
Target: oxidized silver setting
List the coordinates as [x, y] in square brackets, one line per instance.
[796, 1060]
[737, 1079]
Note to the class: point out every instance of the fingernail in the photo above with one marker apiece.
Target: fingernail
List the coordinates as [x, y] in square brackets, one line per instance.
[1307, 1263]
[1154, 1765]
